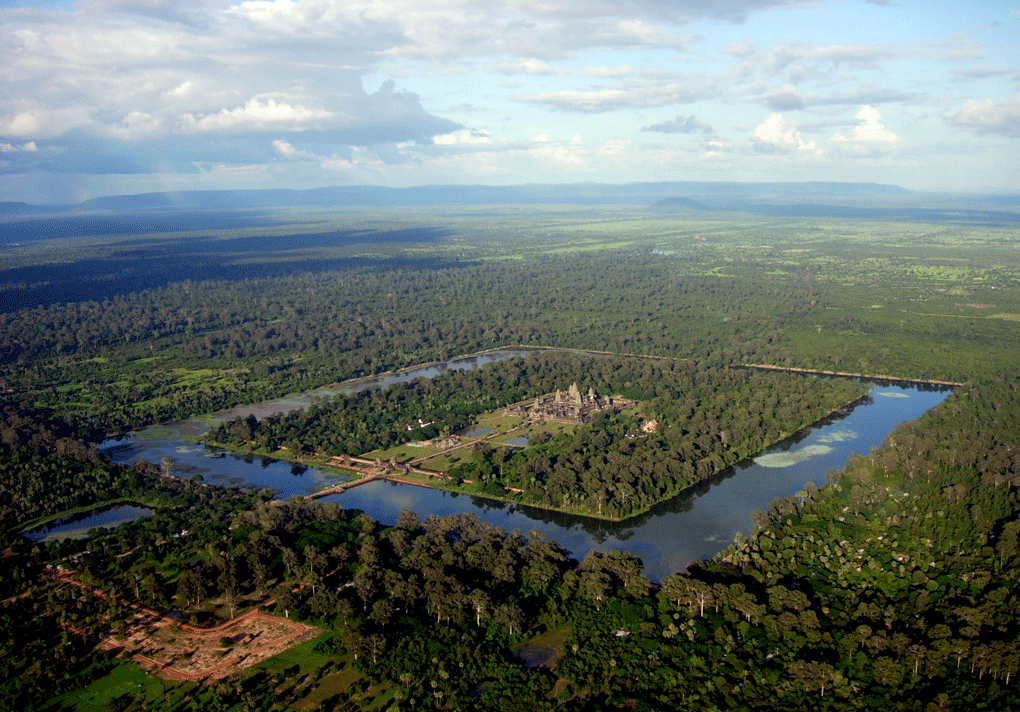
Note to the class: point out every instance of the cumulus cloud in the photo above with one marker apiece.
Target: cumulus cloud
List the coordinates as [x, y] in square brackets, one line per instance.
[777, 134]
[571, 152]
[168, 85]
[35, 121]
[135, 125]
[870, 135]
[288, 151]
[28, 147]
[989, 117]
[681, 124]
[715, 149]
[129, 74]
[182, 89]
[258, 112]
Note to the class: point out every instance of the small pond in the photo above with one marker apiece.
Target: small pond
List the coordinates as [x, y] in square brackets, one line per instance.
[517, 441]
[534, 656]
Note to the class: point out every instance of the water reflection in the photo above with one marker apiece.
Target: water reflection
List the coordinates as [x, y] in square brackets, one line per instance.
[77, 526]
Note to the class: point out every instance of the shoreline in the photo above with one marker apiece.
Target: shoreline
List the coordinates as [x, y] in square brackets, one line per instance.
[847, 374]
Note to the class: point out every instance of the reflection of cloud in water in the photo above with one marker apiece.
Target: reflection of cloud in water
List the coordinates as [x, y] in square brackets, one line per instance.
[400, 500]
[788, 459]
[399, 497]
[891, 394]
[839, 436]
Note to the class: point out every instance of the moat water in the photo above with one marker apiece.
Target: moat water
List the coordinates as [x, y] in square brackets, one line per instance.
[77, 526]
[695, 525]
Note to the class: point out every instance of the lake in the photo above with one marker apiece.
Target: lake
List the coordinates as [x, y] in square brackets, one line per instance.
[692, 526]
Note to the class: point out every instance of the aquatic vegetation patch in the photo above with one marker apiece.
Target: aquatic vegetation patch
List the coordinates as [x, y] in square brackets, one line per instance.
[794, 457]
[839, 436]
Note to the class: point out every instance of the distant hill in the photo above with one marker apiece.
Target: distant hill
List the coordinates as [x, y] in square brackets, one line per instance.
[17, 210]
[677, 205]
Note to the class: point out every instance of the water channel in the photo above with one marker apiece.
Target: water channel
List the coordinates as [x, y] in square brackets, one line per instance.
[692, 526]
[77, 526]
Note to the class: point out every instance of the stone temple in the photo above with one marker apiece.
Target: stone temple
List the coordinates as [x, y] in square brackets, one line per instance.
[569, 407]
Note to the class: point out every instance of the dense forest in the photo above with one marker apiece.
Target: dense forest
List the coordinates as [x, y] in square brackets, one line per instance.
[893, 586]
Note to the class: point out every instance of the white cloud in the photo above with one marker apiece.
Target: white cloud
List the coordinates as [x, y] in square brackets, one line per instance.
[24, 123]
[288, 151]
[870, 135]
[362, 162]
[36, 121]
[714, 150]
[613, 148]
[257, 112]
[136, 124]
[246, 173]
[28, 147]
[987, 117]
[466, 137]
[182, 89]
[777, 134]
[571, 152]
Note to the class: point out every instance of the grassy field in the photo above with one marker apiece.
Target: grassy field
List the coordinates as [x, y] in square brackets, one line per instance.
[127, 679]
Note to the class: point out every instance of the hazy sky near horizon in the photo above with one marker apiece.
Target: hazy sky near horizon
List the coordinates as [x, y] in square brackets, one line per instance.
[101, 97]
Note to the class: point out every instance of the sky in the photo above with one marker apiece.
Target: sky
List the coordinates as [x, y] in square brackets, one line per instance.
[105, 97]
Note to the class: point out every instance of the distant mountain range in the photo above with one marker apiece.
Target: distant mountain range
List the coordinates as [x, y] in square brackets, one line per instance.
[571, 193]
[812, 199]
